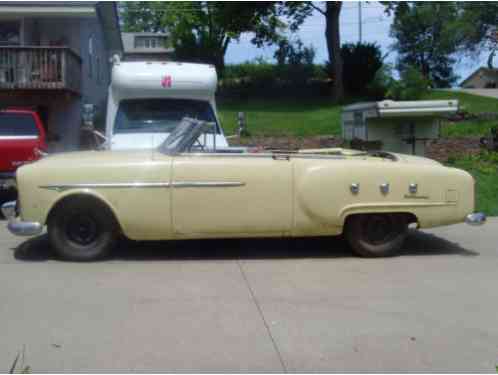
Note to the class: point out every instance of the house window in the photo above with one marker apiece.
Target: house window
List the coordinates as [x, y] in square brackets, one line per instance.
[149, 42]
[10, 33]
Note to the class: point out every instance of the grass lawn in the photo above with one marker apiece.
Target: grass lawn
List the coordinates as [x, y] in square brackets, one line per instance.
[320, 116]
[472, 104]
[486, 174]
[283, 117]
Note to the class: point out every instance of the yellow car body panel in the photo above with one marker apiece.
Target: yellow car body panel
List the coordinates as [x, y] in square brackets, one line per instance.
[156, 196]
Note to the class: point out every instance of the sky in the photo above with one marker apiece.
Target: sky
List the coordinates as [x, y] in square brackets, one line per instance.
[375, 28]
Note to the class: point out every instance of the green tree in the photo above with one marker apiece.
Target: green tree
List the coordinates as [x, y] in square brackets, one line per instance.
[477, 28]
[201, 31]
[361, 63]
[331, 10]
[426, 38]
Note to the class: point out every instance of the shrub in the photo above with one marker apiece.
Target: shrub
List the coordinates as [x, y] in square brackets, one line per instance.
[295, 62]
[361, 61]
[293, 75]
[412, 86]
[377, 88]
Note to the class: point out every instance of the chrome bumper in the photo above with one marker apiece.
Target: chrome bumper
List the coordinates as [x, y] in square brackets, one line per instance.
[7, 184]
[16, 226]
[477, 218]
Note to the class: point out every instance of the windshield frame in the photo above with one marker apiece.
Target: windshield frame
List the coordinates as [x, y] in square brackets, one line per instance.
[185, 134]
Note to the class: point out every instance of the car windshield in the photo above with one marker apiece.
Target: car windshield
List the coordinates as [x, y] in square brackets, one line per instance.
[185, 135]
[159, 115]
[18, 125]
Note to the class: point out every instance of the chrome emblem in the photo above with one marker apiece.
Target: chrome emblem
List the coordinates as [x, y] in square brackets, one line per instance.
[412, 188]
[355, 188]
[384, 188]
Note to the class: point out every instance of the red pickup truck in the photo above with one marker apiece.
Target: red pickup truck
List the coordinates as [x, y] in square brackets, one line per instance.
[22, 140]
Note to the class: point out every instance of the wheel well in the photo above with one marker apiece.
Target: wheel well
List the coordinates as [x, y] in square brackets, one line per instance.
[410, 217]
[85, 199]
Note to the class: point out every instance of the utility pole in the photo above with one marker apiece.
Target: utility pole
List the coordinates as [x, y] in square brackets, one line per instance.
[360, 21]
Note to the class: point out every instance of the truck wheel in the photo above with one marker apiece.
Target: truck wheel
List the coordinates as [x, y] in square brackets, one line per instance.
[376, 235]
[82, 229]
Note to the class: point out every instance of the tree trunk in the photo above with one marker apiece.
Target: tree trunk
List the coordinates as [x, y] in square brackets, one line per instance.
[332, 35]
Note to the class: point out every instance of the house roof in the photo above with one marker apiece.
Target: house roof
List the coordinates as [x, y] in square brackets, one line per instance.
[481, 70]
[129, 43]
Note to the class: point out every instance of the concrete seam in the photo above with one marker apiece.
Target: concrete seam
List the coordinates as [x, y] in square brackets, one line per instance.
[279, 355]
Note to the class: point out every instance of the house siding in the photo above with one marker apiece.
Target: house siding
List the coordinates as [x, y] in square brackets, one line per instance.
[481, 79]
[63, 110]
[96, 66]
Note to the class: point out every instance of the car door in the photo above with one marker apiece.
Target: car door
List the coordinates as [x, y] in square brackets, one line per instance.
[231, 195]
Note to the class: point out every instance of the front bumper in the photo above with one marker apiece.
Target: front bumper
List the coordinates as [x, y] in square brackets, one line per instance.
[17, 226]
[7, 180]
[477, 218]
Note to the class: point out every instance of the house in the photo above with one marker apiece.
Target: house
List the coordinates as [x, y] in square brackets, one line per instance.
[482, 78]
[55, 57]
[146, 47]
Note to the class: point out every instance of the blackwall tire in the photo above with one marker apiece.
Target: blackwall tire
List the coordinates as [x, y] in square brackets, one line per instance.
[82, 230]
[376, 235]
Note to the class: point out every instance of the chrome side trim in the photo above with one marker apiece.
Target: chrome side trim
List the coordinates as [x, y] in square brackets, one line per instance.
[195, 184]
[259, 155]
[121, 185]
[117, 185]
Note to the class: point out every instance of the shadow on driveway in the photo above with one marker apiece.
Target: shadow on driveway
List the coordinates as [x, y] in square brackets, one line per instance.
[417, 243]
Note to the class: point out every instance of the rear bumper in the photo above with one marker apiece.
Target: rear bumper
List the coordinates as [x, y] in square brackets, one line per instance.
[477, 218]
[17, 226]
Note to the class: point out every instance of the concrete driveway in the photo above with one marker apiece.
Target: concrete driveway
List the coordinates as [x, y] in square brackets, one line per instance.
[259, 305]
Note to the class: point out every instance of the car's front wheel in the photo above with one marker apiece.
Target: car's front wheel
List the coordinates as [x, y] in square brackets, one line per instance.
[376, 235]
[81, 229]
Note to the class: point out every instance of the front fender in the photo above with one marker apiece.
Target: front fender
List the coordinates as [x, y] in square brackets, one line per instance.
[80, 192]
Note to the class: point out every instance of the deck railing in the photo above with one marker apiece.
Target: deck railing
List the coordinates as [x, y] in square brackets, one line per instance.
[35, 67]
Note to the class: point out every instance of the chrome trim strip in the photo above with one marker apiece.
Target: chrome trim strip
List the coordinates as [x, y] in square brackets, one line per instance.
[107, 185]
[259, 155]
[19, 137]
[120, 185]
[194, 184]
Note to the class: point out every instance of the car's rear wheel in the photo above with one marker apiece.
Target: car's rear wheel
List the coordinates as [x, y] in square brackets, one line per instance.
[82, 229]
[376, 235]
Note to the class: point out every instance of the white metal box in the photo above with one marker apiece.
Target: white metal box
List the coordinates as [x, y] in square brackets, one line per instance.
[402, 127]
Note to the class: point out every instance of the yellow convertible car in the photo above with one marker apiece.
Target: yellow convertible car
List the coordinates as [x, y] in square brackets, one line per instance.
[183, 191]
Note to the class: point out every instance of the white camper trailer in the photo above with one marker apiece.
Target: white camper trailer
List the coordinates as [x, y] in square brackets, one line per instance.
[148, 99]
